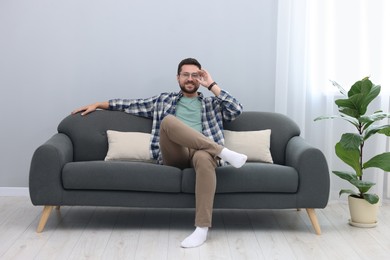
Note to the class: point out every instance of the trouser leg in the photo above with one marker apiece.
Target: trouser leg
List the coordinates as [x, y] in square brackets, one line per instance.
[182, 146]
[206, 181]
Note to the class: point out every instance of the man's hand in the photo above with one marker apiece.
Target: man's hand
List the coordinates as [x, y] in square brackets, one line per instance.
[91, 108]
[205, 78]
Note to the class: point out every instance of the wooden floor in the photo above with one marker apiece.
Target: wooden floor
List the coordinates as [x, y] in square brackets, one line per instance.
[123, 233]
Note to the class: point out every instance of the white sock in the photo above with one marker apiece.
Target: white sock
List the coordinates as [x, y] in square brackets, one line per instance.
[197, 238]
[235, 159]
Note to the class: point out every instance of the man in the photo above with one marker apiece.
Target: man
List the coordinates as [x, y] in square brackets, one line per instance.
[188, 132]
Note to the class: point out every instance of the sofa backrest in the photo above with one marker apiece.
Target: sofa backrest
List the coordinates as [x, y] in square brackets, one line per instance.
[89, 133]
[89, 137]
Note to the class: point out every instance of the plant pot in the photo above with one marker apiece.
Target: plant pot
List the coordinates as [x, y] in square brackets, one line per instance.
[363, 214]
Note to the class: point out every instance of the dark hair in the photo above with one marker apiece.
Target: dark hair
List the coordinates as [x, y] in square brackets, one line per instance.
[188, 61]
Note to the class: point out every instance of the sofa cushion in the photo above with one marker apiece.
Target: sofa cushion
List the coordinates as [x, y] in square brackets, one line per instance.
[116, 175]
[252, 177]
[128, 146]
[254, 144]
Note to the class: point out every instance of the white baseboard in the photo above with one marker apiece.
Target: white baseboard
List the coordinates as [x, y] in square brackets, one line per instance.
[14, 191]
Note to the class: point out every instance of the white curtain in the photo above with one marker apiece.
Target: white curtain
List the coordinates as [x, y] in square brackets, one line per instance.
[323, 40]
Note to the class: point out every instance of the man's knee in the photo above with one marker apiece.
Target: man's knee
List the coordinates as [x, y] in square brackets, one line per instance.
[166, 120]
[203, 157]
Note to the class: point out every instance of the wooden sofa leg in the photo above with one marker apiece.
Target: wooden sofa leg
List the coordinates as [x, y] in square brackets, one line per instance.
[45, 216]
[314, 220]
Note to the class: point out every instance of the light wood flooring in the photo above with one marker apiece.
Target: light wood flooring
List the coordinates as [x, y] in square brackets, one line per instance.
[124, 233]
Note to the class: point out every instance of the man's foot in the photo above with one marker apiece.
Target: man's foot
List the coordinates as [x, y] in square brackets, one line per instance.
[197, 238]
[233, 158]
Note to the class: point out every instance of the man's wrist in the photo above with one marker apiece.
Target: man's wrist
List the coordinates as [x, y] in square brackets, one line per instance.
[211, 85]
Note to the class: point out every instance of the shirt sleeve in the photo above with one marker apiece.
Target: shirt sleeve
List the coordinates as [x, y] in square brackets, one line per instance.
[139, 107]
[230, 107]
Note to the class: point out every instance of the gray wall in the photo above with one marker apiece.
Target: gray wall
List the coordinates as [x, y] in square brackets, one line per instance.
[58, 55]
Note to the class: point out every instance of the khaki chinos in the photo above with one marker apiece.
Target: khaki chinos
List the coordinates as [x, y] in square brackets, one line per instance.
[183, 147]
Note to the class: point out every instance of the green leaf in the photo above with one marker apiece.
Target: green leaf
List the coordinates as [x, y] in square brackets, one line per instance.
[359, 97]
[383, 129]
[348, 176]
[361, 87]
[347, 118]
[347, 107]
[374, 117]
[366, 121]
[381, 161]
[326, 117]
[366, 98]
[371, 198]
[363, 186]
[349, 154]
[351, 141]
[351, 120]
[341, 89]
[351, 192]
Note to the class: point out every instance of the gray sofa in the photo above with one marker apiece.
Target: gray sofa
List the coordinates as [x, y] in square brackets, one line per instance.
[69, 169]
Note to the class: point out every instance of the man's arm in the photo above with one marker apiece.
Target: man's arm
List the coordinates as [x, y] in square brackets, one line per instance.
[141, 107]
[231, 108]
[92, 107]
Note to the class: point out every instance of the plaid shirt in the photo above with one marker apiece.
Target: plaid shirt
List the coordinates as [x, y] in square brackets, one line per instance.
[215, 110]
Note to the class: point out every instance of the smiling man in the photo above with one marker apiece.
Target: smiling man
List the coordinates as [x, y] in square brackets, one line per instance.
[188, 132]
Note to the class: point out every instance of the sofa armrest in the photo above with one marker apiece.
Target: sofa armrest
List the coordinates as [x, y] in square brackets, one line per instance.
[45, 181]
[311, 165]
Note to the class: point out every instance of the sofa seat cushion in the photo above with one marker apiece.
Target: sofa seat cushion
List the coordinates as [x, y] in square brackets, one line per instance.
[124, 176]
[252, 177]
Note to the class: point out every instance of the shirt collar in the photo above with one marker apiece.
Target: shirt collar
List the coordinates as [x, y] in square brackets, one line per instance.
[180, 95]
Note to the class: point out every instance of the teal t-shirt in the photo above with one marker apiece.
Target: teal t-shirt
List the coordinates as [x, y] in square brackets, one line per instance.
[189, 111]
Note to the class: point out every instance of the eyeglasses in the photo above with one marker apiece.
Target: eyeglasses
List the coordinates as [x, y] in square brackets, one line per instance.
[187, 75]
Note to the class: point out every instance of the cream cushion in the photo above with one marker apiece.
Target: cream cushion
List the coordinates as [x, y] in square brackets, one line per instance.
[128, 146]
[254, 144]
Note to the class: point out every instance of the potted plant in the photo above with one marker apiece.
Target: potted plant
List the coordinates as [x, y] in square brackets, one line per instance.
[350, 148]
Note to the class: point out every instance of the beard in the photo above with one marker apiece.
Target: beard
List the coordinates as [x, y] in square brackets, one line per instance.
[189, 90]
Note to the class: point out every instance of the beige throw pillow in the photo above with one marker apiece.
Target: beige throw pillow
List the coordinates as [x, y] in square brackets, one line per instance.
[254, 144]
[128, 146]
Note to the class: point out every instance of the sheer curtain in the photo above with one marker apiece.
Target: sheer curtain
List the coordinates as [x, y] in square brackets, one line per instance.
[341, 40]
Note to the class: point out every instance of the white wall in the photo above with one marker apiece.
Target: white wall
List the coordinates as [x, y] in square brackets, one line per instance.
[58, 55]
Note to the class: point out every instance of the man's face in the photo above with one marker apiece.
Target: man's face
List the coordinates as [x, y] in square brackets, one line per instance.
[188, 79]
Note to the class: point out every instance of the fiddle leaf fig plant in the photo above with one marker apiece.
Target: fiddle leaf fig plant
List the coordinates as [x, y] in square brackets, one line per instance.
[350, 148]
